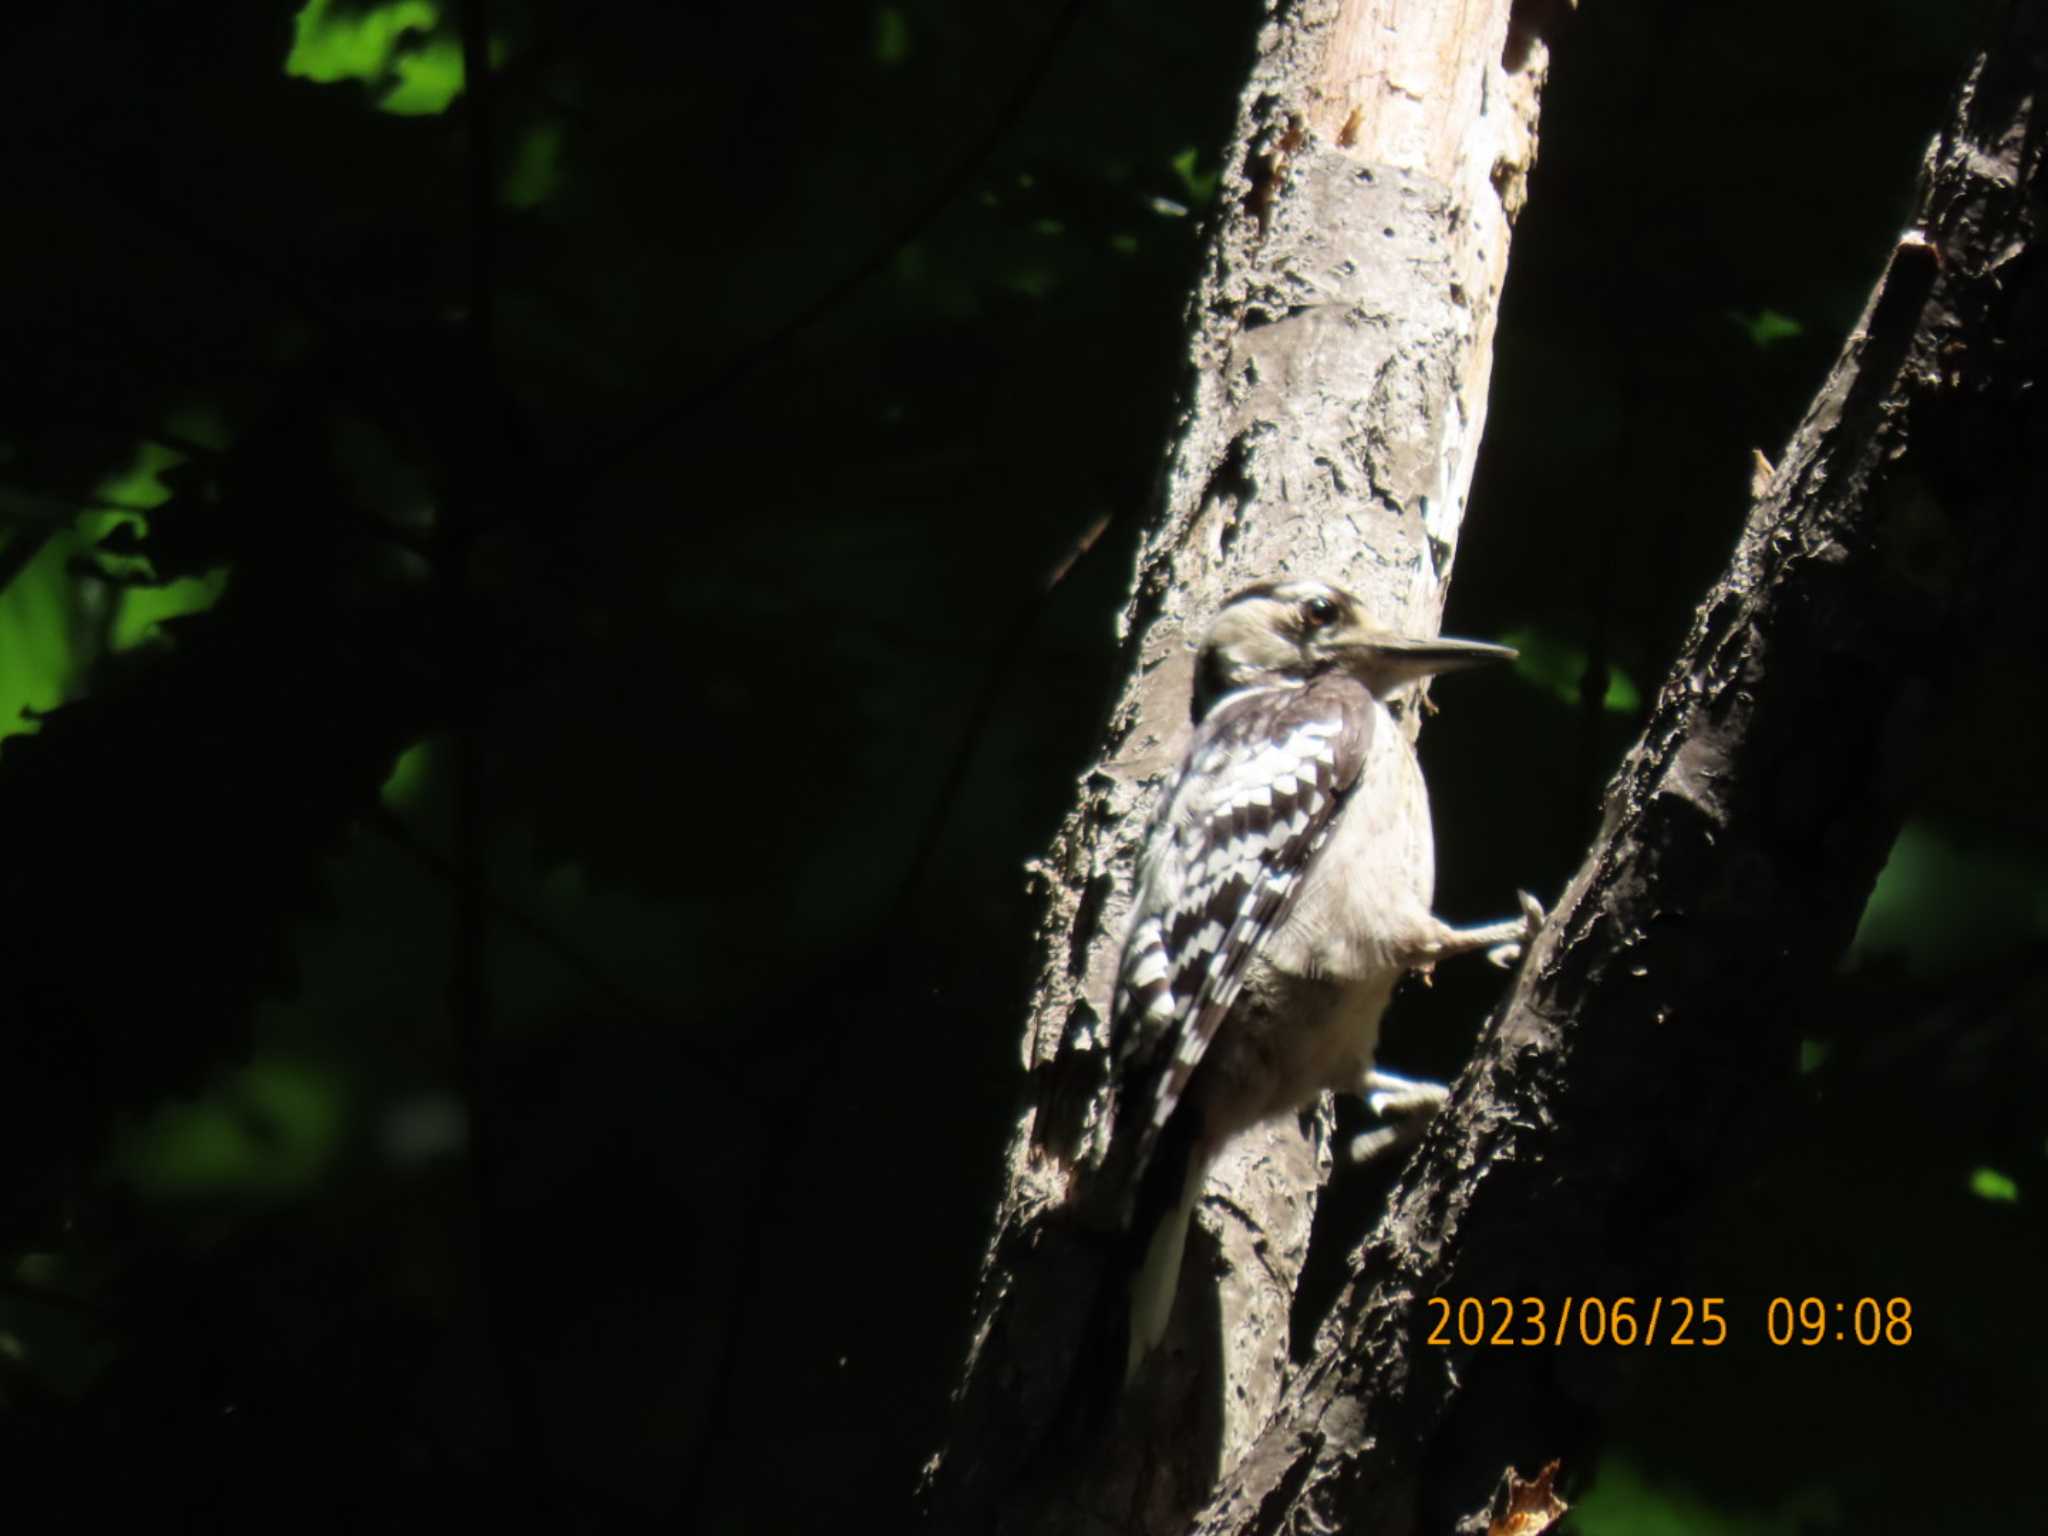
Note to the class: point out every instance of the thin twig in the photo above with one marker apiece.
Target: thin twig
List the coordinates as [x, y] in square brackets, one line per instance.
[995, 679]
[482, 175]
[575, 961]
[511, 1436]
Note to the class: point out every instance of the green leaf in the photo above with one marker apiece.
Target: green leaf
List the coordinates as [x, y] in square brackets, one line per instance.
[1942, 907]
[35, 635]
[273, 1128]
[356, 45]
[401, 50]
[1557, 666]
[429, 77]
[409, 776]
[141, 609]
[536, 167]
[1767, 327]
[1990, 1184]
[892, 37]
[1201, 185]
[1625, 1501]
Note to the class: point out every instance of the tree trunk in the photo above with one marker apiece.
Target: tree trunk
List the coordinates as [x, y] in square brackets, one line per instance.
[1742, 836]
[1341, 340]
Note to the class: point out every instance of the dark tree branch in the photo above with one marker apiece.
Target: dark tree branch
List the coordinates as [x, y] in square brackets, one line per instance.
[1741, 839]
[515, 1431]
[482, 172]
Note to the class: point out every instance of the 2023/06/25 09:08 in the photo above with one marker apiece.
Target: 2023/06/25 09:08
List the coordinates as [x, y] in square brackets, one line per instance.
[1678, 1321]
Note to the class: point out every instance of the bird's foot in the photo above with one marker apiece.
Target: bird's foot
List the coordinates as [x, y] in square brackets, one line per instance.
[1409, 1102]
[1508, 954]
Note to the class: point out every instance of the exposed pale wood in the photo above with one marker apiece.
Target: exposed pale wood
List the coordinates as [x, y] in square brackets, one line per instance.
[1340, 342]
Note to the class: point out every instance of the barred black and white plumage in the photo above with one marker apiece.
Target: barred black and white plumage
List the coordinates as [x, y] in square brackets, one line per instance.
[1283, 889]
[1223, 865]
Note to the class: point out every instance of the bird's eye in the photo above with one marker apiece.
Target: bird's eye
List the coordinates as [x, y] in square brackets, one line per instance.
[1320, 611]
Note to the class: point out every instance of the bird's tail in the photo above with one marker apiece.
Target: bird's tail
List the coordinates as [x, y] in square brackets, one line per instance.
[1157, 1279]
[1157, 1238]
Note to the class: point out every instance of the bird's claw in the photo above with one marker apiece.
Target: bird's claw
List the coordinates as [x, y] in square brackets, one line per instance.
[1368, 1145]
[1510, 954]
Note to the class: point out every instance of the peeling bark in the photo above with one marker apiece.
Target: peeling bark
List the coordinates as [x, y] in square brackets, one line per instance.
[1341, 341]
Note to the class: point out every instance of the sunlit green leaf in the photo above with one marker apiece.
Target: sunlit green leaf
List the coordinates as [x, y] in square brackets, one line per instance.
[141, 609]
[401, 49]
[1201, 185]
[39, 611]
[134, 491]
[1557, 666]
[429, 77]
[1940, 906]
[1990, 1184]
[330, 44]
[35, 634]
[141, 485]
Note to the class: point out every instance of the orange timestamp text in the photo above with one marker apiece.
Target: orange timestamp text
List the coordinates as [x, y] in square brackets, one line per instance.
[1678, 1322]
[1815, 1320]
[1532, 1321]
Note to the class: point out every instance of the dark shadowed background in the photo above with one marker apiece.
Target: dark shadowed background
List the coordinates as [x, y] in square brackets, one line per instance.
[547, 670]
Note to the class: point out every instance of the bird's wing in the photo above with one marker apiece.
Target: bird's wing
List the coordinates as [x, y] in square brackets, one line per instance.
[1223, 864]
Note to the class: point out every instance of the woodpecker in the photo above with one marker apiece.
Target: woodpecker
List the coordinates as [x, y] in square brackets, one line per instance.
[1283, 891]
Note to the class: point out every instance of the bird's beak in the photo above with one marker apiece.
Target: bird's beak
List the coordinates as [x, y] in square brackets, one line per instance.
[1394, 661]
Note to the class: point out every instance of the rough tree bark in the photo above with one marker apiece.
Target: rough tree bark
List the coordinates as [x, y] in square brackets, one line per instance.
[1742, 836]
[1342, 338]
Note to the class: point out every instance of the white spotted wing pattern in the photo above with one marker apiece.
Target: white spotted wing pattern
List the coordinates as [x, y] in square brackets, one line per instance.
[1223, 864]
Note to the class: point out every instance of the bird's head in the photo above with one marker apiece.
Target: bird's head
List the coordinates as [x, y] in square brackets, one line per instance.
[1287, 632]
